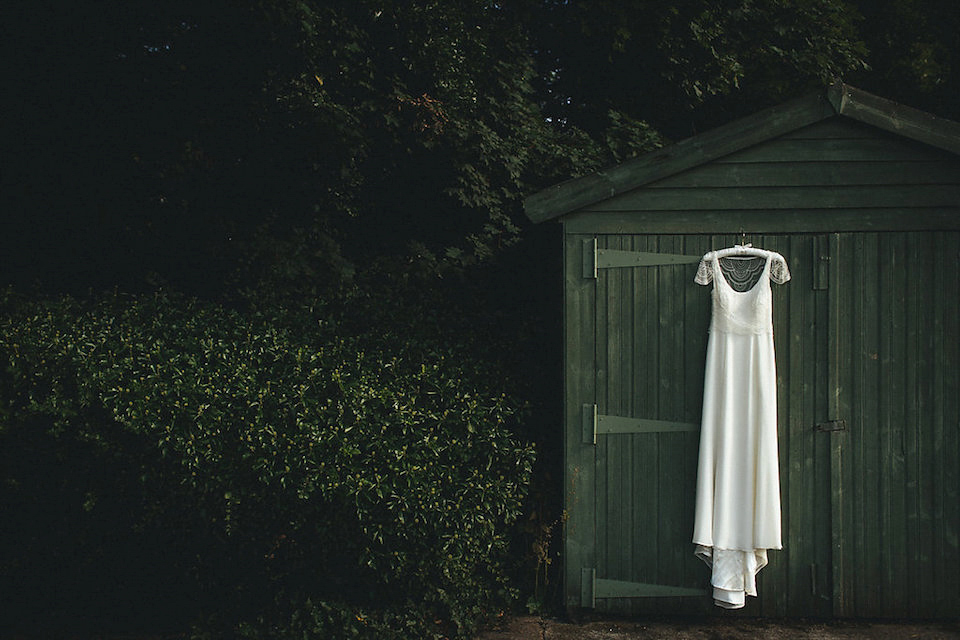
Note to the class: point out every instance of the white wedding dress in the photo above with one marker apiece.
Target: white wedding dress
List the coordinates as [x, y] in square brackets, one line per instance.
[737, 516]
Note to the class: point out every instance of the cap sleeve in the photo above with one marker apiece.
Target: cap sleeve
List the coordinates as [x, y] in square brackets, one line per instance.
[705, 270]
[779, 272]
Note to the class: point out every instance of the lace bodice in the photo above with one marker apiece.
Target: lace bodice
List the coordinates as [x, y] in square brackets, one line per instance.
[733, 267]
[742, 301]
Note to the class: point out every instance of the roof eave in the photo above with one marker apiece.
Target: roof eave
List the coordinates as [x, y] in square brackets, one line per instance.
[895, 118]
[838, 98]
[576, 193]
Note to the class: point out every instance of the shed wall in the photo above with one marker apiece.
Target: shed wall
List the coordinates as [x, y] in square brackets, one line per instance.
[831, 164]
[867, 332]
[870, 515]
[866, 178]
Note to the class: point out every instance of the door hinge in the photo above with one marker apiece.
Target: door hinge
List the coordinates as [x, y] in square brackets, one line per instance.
[590, 264]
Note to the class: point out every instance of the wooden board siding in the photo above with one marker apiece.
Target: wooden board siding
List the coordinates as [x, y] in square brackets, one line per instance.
[855, 326]
[573, 194]
[766, 220]
[579, 388]
[831, 164]
[898, 309]
[867, 333]
[645, 481]
[839, 103]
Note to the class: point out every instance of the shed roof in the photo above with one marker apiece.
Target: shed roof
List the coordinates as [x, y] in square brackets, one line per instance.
[836, 99]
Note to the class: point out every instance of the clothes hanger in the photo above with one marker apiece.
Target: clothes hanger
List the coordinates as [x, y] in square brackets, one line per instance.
[742, 250]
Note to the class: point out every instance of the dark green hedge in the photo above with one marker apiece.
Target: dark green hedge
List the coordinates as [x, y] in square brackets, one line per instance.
[266, 471]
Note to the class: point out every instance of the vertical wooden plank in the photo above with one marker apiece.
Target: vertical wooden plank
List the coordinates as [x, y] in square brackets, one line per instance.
[935, 426]
[821, 406]
[777, 592]
[697, 304]
[626, 385]
[608, 342]
[619, 345]
[851, 373]
[806, 468]
[645, 460]
[782, 592]
[669, 446]
[864, 436]
[926, 427]
[946, 386]
[892, 483]
[579, 388]
[912, 576]
[604, 302]
[798, 461]
[838, 345]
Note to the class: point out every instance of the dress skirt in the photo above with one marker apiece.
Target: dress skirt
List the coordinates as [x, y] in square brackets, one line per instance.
[737, 514]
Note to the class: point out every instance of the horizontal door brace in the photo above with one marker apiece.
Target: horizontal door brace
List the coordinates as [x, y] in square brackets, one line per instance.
[595, 424]
[592, 587]
[595, 258]
[617, 258]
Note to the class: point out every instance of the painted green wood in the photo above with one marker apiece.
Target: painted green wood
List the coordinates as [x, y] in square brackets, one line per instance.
[865, 372]
[625, 589]
[595, 425]
[610, 505]
[778, 197]
[833, 150]
[835, 127]
[579, 388]
[837, 410]
[811, 174]
[679, 560]
[846, 350]
[594, 588]
[801, 324]
[778, 591]
[947, 282]
[799, 220]
[574, 194]
[891, 409]
[612, 258]
[636, 504]
[867, 331]
[673, 522]
[615, 424]
[899, 119]
[897, 342]
[734, 141]
[823, 445]
[589, 257]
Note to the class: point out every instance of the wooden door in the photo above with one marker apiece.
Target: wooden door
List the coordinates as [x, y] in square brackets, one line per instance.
[642, 429]
[866, 339]
[636, 343]
[895, 480]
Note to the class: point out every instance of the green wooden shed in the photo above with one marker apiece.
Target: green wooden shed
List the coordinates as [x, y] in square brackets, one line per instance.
[862, 197]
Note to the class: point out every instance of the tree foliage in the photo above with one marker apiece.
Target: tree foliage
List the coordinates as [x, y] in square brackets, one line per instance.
[914, 57]
[664, 62]
[186, 143]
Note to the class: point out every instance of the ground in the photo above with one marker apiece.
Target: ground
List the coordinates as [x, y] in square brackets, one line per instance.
[718, 628]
